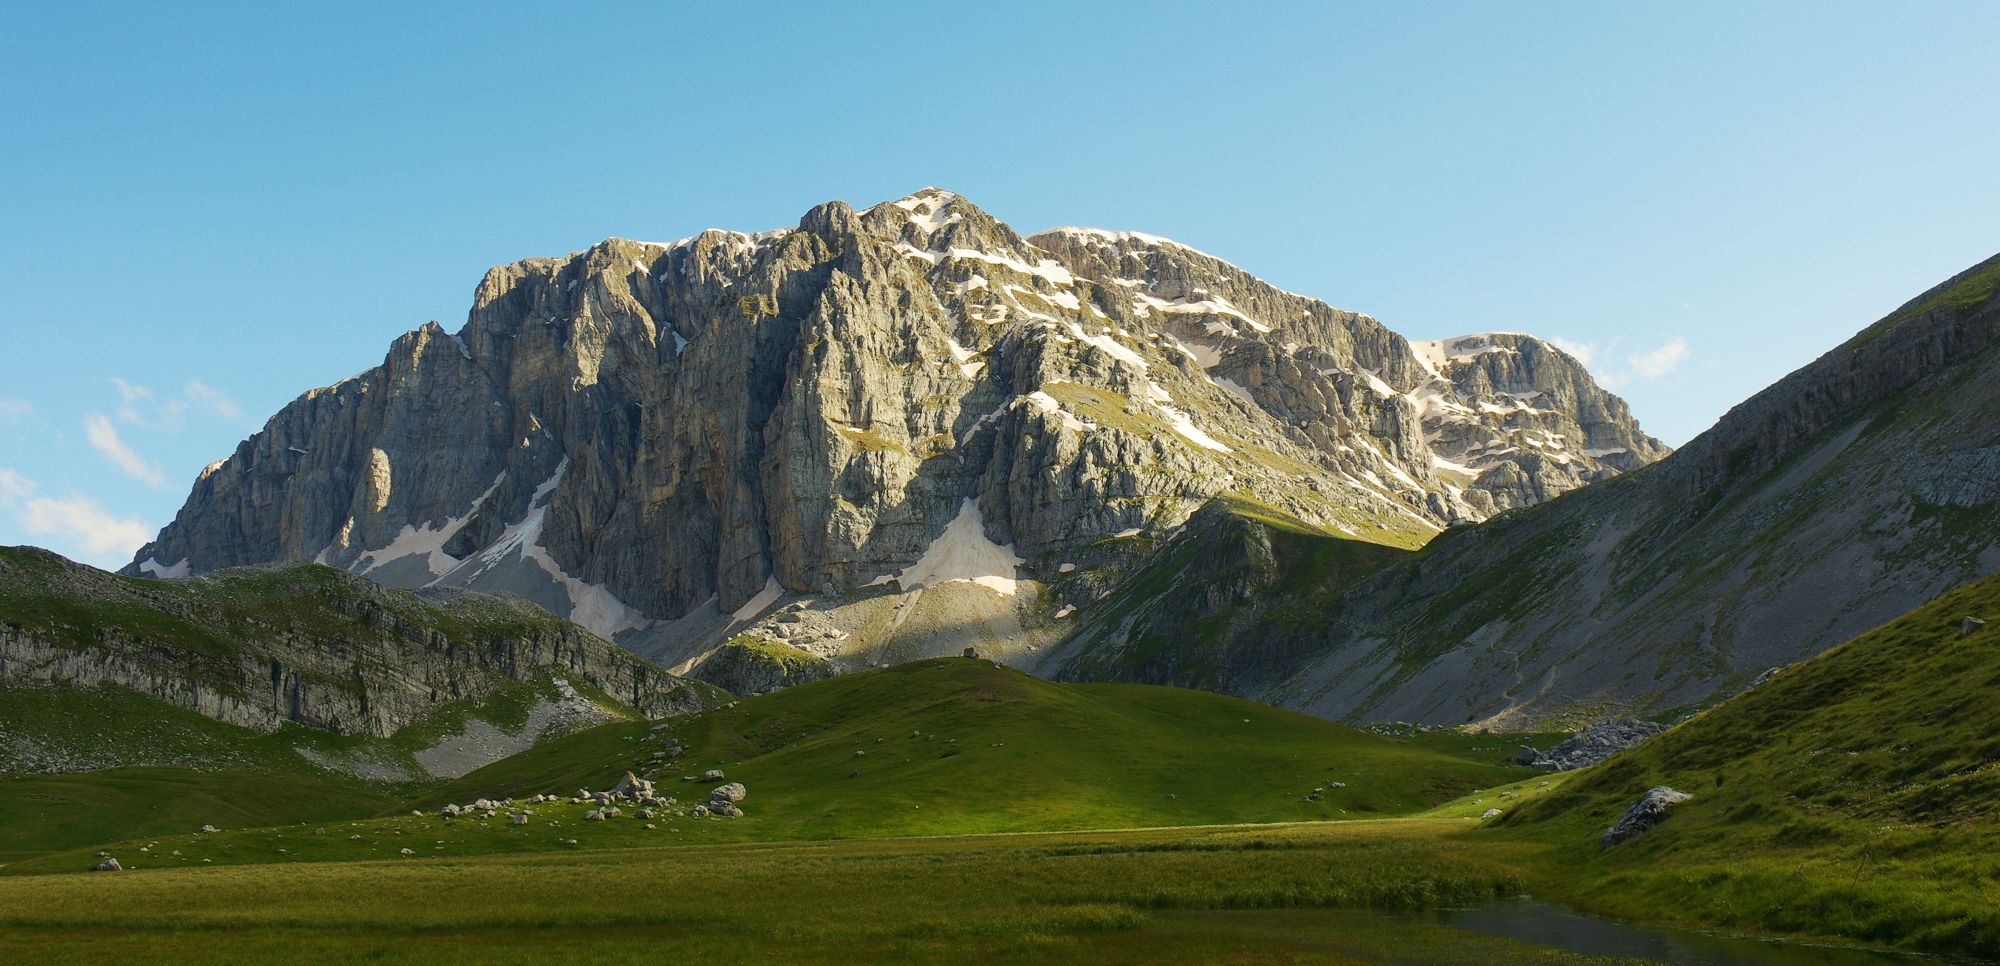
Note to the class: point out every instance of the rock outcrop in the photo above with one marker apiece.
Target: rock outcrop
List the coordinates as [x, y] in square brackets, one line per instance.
[258, 647]
[1646, 813]
[1591, 745]
[906, 417]
[752, 665]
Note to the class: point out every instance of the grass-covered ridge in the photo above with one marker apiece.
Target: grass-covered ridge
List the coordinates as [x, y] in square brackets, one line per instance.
[1228, 604]
[1851, 795]
[302, 643]
[80, 767]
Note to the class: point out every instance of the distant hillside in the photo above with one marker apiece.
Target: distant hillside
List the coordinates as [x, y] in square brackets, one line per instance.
[1849, 492]
[300, 643]
[1853, 795]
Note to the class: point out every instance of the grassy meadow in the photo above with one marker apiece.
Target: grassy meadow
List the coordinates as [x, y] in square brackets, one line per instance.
[1856, 794]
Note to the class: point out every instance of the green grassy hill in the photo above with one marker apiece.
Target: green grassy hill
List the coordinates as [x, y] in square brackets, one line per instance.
[1856, 794]
[951, 746]
[1233, 603]
[945, 746]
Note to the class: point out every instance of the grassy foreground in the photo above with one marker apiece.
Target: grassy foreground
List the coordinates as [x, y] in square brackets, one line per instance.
[1294, 893]
[1852, 795]
[939, 747]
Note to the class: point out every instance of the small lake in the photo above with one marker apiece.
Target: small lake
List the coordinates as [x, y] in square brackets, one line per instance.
[1543, 924]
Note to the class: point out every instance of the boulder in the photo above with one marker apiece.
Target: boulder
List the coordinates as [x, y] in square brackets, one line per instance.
[632, 787]
[1970, 626]
[1648, 811]
[731, 793]
[519, 818]
[109, 865]
[209, 830]
[699, 811]
[712, 775]
[1491, 813]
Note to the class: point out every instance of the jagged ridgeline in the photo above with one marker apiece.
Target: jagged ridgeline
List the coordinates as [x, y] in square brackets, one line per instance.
[1849, 492]
[882, 434]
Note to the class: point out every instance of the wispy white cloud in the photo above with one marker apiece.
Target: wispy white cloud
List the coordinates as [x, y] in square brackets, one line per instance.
[206, 398]
[14, 487]
[1585, 352]
[83, 527]
[104, 438]
[14, 409]
[1660, 362]
[142, 405]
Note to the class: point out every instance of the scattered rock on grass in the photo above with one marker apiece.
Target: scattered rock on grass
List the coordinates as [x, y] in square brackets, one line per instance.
[1649, 811]
[109, 865]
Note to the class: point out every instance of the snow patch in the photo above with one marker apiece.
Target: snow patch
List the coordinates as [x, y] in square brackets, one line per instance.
[1046, 268]
[1113, 347]
[765, 598]
[426, 541]
[593, 606]
[963, 552]
[153, 566]
[1048, 404]
[1185, 426]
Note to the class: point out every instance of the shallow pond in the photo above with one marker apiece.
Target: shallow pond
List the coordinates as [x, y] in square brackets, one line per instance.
[1542, 924]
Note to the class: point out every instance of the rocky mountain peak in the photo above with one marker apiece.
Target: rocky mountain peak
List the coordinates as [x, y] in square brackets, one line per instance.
[666, 441]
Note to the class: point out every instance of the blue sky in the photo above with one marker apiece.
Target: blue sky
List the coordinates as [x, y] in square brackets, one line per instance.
[211, 208]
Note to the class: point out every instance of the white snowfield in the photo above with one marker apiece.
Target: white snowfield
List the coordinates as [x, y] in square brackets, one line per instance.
[962, 552]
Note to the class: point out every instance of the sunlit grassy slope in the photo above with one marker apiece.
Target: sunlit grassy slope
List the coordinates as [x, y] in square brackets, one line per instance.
[940, 747]
[1856, 794]
[952, 745]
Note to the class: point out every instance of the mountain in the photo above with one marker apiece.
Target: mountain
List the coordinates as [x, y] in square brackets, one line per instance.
[1850, 795]
[263, 648]
[879, 435]
[1849, 492]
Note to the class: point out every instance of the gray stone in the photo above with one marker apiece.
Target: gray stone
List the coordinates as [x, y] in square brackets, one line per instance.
[1647, 812]
[1594, 744]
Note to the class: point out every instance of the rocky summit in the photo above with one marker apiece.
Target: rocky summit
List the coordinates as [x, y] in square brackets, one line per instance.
[879, 434]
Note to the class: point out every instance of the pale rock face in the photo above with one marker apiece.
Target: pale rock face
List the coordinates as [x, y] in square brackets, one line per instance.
[651, 438]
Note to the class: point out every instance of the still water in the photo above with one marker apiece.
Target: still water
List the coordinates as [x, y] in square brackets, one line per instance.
[1543, 924]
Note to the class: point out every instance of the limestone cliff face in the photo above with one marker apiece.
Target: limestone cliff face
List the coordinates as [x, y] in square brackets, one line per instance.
[259, 647]
[666, 441]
